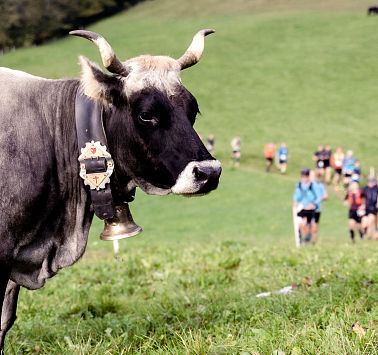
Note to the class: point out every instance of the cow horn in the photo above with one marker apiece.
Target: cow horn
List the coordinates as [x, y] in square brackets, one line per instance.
[109, 59]
[194, 52]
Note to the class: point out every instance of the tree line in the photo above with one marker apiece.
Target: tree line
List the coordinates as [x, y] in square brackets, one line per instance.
[32, 22]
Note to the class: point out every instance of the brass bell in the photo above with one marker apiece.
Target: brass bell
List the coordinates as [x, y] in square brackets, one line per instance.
[121, 225]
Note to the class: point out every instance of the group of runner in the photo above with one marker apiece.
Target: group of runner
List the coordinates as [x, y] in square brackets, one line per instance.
[337, 167]
[280, 156]
[309, 193]
[271, 153]
[235, 148]
[341, 169]
[363, 208]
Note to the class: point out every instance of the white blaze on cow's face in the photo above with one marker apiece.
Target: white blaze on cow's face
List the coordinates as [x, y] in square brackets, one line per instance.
[146, 71]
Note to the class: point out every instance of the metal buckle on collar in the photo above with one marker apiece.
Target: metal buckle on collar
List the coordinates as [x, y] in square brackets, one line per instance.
[100, 176]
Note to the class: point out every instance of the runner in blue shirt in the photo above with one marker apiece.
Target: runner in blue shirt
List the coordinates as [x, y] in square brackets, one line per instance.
[282, 154]
[348, 167]
[305, 201]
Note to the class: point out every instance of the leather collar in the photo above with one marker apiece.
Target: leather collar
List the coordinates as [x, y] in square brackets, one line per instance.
[96, 163]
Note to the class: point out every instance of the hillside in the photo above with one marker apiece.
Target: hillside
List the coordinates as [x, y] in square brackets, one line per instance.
[272, 72]
[300, 71]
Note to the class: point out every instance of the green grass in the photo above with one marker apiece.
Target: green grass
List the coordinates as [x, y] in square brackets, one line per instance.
[303, 72]
[160, 299]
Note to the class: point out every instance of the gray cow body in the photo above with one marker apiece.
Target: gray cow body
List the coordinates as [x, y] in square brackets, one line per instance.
[44, 209]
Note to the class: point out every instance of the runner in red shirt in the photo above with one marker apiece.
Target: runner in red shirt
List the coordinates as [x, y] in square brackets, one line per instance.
[354, 199]
[269, 154]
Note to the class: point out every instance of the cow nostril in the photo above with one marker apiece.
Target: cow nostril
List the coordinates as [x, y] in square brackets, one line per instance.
[199, 174]
[204, 173]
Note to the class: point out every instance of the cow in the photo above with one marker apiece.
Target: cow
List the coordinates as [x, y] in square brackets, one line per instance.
[372, 10]
[45, 207]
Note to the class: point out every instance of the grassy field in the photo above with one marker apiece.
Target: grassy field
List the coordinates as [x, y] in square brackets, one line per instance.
[303, 72]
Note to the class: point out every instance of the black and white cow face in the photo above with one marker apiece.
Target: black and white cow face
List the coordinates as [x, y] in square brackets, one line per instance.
[149, 118]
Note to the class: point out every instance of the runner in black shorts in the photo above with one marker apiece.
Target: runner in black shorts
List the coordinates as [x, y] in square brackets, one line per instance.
[318, 157]
[355, 200]
[305, 200]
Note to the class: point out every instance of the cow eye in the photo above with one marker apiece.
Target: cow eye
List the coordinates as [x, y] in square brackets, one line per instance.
[148, 118]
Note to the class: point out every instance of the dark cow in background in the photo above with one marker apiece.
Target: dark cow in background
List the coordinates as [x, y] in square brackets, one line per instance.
[372, 10]
[45, 209]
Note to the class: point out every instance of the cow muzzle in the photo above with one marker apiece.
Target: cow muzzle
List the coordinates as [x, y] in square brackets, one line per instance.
[198, 178]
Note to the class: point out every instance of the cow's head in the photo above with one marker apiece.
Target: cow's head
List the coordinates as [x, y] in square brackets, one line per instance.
[148, 119]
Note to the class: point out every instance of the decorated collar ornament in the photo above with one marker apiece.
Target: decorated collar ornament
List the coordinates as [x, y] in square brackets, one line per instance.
[96, 180]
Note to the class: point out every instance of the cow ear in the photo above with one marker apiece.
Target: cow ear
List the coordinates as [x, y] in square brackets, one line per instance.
[95, 83]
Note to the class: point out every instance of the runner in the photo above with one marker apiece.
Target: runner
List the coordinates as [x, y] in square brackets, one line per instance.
[236, 153]
[269, 153]
[356, 176]
[337, 164]
[283, 155]
[210, 144]
[322, 195]
[348, 168]
[369, 221]
[318, 157]
[305, 202]
[355, 201]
